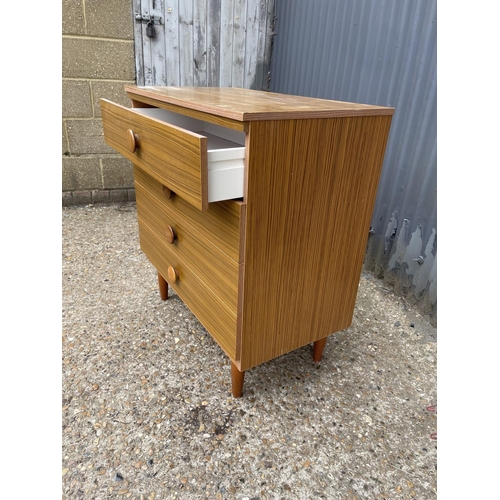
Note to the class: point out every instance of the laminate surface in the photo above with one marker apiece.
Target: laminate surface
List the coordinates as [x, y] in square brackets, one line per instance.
[311, 190]
[214, 267]
[212, 312]
[174, 156]
[252, 105]
[221, 223]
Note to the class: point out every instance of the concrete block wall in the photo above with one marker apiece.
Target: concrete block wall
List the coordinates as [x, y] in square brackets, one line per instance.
[97, 61]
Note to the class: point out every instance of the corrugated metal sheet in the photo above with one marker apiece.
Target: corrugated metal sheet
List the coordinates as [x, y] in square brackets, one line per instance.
[377, 52]
[213, 43]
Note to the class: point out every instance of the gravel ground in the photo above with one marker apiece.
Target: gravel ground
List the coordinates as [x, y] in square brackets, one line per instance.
[147, 411]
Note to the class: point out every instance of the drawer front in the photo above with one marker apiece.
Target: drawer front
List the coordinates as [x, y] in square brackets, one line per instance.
[206, 260]
[174, 156]
[213, 313]
[222, 224]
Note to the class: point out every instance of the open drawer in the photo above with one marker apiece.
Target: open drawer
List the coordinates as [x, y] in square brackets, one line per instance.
[201, 162]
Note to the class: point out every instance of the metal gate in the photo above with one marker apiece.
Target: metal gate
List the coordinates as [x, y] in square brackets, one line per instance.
[208, 43]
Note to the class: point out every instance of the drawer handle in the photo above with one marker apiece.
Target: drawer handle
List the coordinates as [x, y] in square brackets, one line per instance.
[170, 233]
[132, 140]
[173, 275]
[167, 192]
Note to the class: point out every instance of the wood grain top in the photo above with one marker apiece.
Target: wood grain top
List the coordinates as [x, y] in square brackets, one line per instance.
[253, 105]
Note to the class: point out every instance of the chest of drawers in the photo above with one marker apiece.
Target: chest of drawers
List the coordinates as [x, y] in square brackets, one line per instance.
[254, 207]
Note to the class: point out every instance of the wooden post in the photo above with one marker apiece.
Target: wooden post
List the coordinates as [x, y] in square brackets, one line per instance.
[163, 287]
[237, 379]
[319, 345]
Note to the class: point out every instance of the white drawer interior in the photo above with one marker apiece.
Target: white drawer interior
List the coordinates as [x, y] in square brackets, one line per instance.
[225, 152]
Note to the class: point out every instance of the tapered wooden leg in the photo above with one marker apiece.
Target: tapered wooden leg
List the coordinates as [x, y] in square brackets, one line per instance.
[319, 345]
[237, 379]
[163, 287]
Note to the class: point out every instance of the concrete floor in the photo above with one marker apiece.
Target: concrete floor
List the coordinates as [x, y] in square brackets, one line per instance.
[147, 407]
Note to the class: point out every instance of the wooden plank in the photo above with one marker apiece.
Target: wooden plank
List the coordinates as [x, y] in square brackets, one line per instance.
[311, 191]
[186, 43]
[221, 223]
[152, 48]
[175, 157]
[172, 50]
[239, 42]
[252, 105]
[251, 66]
[157, 43]
[200, 44]
[226, 43]
[138, 40]
[145, 45]
[213, 314]
[213, 42]
[153, 71]
[267, 33]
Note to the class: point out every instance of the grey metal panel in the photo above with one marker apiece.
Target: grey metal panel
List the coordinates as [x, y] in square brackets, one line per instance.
[215, 43]
[377, 52]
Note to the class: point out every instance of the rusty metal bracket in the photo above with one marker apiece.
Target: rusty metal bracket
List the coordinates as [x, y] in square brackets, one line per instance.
[147, 19]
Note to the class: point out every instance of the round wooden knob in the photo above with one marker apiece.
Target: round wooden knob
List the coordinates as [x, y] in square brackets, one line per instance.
[173, 275]
[132, 140]
[170, 233]
[167, 192]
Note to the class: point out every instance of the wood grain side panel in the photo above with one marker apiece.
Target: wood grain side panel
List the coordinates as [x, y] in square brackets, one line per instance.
[220, 223]
[176, 157]
[212, 313]
[209, 263]
[311, 191]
